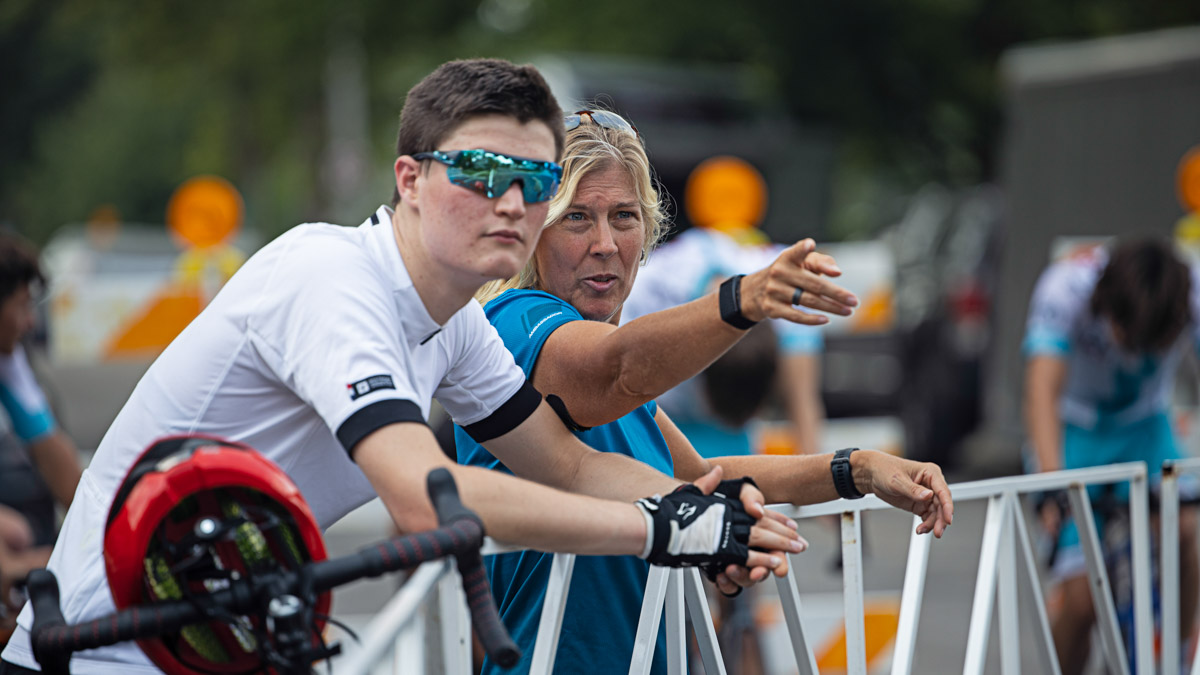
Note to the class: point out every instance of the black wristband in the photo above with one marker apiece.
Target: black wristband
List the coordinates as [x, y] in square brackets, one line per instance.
[843, 481]
[730, 298]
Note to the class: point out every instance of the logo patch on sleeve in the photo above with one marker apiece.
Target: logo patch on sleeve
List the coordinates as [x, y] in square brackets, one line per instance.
[370, 384]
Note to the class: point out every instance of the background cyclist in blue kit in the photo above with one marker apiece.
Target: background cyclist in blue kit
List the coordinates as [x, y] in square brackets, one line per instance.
[1106, 332]
[42, 467]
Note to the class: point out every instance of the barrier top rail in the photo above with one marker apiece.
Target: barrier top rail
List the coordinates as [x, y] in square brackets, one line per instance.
[982, 489]
[667, 588]
[1189, 465]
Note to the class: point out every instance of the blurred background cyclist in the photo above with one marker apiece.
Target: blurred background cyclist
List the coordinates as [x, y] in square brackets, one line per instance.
[1106, 331]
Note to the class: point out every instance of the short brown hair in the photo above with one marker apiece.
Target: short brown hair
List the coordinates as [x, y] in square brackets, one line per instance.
[460, 90]
[1145, 291]
[18, 265]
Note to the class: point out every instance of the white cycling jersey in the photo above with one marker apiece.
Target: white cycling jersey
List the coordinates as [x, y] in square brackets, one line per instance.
[1104, 382]
[318, 340]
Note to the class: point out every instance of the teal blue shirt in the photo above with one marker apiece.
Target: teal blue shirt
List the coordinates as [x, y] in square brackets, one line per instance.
[605, 597]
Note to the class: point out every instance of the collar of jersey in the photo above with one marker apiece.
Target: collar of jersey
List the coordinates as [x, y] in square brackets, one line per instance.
[419, 326]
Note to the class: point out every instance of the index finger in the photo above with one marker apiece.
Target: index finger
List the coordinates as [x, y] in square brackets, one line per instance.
[753, 500]
[942, 494]
[798, 251]
[822, 263]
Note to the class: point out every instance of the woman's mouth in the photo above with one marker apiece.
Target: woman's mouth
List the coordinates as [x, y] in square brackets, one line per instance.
[600, 283]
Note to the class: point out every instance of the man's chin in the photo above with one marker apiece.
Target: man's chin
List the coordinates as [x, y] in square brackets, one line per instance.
[501, 271]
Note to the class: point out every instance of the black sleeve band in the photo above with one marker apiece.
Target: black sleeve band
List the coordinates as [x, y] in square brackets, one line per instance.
[379, 414]
[560, 409]
[508, 416]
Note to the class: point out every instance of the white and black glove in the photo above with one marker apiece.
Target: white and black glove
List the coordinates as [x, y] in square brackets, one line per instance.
[689, 528]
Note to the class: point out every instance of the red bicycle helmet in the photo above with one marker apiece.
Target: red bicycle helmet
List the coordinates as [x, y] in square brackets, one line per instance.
[193, 513]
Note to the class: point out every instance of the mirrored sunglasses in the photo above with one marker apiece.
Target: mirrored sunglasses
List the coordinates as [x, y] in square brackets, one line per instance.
[491, 174]
[603, 118]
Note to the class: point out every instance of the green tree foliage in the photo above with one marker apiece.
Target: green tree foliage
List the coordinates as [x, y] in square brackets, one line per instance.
[44, 65]
[120, 102]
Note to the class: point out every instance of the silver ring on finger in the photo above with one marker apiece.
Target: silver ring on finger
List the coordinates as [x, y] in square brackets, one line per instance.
[796, 296]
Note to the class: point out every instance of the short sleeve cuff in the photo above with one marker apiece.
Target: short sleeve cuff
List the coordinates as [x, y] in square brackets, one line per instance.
[508, 416]
[34, 428]
[796, 339]
[375, 416]
[1037, 344]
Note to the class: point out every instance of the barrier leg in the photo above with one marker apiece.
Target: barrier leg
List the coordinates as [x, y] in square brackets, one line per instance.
[910, 601]
[398, 615]
[856, 639]
[789, 599]
[1102, 600]
[1049, 657]
[676, 626]
[1143, 613]
[985, 586]
[647, 631]
[455, 626]
[550, 623]
[1006, 590]
[1168, 576]
[702, 623]
[409, 656]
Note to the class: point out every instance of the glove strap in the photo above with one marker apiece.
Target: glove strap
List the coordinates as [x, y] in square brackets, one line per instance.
[644, 507]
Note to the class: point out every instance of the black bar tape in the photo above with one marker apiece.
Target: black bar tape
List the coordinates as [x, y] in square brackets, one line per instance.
[484, 615]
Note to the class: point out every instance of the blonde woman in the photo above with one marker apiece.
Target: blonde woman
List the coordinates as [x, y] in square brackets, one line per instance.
[559, 318]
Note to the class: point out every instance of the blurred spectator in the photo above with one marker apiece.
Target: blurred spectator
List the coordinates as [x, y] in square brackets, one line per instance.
[726, 198]
[24, 545]
[18, 555]
[1105, 334]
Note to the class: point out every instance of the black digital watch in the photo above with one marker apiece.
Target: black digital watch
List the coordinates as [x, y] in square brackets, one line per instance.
[843, 481]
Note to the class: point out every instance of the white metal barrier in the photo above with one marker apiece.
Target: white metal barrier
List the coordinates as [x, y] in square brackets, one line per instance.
[1168, 554]
[1005, 537]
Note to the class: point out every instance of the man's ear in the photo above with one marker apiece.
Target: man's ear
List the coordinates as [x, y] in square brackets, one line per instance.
[407, 170]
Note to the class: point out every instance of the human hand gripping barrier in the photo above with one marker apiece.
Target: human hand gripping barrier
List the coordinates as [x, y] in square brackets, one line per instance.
[281, 595]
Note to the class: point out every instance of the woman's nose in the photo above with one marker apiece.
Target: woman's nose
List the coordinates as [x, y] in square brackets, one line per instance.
[604, 245]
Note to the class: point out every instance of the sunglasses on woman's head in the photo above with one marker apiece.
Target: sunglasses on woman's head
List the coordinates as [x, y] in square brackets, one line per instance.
[602, 118]
[491, 174]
